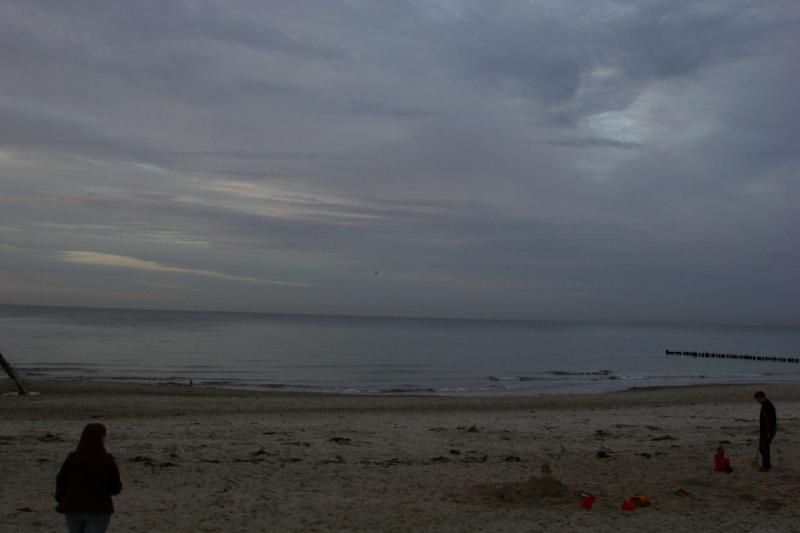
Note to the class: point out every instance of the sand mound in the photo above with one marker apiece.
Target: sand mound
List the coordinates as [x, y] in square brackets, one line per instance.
[534, 489]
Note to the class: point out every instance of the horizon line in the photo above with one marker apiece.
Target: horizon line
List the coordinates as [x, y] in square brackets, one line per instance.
[411, 317]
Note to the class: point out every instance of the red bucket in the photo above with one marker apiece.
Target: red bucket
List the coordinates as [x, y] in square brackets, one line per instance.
[628, 505]
[587, 500]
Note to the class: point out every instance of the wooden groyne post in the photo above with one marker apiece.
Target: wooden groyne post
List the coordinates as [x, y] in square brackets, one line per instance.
[13, 375]
[745, 357]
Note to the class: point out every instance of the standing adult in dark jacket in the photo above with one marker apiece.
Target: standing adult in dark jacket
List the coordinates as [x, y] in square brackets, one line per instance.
[767, 425]
[87, 480]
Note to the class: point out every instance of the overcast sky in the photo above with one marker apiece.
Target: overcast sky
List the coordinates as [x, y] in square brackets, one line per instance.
[599, 160]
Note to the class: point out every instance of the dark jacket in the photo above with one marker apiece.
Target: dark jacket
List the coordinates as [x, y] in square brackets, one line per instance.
[86, 486]
[767, 421]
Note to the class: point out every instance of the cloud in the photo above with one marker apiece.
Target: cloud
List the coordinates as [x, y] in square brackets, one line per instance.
[482, 148]
[131, 263]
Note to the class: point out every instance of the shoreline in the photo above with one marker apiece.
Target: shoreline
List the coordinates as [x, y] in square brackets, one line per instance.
[225, 400]
[73, 399]
[110, 386]
[207, 459]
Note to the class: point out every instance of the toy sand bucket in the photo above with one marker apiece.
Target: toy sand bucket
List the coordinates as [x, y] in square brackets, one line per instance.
[587, 500]
[628, 505]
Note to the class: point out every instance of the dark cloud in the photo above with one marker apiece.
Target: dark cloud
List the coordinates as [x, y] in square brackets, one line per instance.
[610, 159]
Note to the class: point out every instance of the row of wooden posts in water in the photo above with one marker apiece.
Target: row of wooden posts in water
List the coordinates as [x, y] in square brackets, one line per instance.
[746, 357]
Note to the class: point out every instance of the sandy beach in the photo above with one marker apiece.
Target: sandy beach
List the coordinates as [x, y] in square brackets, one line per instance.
[197, 459]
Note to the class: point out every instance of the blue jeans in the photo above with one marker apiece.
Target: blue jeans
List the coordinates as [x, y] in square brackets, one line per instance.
[87, 522]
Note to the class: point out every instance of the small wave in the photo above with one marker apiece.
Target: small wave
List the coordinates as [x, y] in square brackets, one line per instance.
[43, 370]
[559, 375]
[146, 379]
[215, 382]
[579, 373]
[289, 386]
[408, 390]
[273, 386]
[518, 379]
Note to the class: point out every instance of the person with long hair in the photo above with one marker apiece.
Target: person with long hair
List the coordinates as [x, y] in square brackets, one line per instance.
[87, 480]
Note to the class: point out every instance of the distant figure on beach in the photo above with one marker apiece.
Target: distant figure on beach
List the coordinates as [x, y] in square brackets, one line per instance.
[721, 463]
[87, 480]
[767, 425]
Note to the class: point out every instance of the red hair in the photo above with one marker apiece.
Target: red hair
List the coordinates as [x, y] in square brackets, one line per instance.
[91, 442]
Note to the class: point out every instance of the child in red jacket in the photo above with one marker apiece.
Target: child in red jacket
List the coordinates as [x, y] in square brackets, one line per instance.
[721, 463]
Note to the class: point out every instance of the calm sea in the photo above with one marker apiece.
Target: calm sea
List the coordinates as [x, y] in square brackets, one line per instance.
[380, 355]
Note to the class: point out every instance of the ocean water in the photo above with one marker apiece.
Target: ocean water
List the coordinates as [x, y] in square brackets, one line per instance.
[381, 355]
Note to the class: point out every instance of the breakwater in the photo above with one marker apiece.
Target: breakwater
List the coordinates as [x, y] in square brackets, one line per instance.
[746, 357]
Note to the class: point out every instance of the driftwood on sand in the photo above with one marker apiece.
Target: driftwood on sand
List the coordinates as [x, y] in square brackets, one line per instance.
[13, 375]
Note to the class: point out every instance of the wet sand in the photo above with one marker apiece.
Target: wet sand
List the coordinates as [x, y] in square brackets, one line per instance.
[196, 459]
